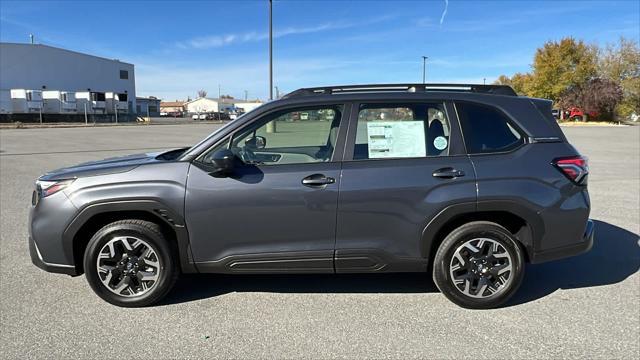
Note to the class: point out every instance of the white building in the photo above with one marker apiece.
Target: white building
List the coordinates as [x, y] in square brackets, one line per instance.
[206, 105]
[247, 106]
[42, 67]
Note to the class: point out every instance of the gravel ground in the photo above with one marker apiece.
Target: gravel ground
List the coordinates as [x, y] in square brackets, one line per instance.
[583, 307]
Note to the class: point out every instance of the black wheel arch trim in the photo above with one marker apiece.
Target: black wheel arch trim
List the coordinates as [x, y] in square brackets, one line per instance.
[450, 212]
[153, 207]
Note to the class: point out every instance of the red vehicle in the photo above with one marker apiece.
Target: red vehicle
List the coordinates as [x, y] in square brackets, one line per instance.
[578, 114]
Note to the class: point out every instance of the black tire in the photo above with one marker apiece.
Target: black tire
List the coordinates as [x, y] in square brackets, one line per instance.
[151, 234]
[474, 230]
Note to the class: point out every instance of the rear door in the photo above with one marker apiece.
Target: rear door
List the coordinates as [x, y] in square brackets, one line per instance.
[404, 163]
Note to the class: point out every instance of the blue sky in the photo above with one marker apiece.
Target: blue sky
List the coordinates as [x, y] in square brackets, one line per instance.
[180, 47]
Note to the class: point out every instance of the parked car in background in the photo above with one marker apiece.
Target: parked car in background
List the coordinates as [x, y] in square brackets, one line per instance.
[577, 114]
[469, 182]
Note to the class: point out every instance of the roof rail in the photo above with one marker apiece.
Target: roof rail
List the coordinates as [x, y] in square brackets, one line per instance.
[347, 89]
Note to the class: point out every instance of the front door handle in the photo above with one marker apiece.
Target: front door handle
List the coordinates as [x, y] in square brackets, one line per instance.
[317, 180]
[448, 173]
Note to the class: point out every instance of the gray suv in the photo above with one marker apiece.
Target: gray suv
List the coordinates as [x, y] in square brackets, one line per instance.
[468, 182]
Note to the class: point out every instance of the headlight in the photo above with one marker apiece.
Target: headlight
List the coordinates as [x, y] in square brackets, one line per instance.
[46, 188]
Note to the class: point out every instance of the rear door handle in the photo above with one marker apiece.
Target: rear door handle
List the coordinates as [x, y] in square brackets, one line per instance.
[448, 173]
[317, 180]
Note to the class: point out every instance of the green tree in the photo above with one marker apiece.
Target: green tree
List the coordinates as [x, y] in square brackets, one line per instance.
[518, 82]
[620, 63]
[560, 65]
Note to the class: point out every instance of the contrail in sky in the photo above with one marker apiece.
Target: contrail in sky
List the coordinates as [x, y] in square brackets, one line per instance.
[444, 13]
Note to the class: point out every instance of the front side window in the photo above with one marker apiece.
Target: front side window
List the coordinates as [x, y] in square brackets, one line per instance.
[486, 129]
[306, 135]
[401, 131]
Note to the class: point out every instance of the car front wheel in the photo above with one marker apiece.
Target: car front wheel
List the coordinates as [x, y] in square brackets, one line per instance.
[129, 263]
[479, 265]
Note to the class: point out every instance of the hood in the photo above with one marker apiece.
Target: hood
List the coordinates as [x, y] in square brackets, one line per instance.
[111, 165]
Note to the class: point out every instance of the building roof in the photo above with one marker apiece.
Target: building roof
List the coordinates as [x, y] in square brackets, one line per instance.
[226, 100]
[61, 49]
[172, 103]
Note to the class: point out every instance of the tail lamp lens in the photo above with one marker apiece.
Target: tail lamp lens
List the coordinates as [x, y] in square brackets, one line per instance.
[47, 188]
[576, 168]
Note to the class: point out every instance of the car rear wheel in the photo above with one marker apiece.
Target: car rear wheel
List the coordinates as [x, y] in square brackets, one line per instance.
[129, 263]
[479, 265]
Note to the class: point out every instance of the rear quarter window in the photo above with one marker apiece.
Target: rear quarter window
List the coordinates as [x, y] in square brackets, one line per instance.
[487, 129]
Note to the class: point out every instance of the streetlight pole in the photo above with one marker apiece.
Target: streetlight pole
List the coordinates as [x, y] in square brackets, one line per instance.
[219, 102]
[271, 126]
[270, 50]
[424, 69]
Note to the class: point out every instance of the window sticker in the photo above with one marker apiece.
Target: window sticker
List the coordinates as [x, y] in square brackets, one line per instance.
[440, 143]
[396, 139]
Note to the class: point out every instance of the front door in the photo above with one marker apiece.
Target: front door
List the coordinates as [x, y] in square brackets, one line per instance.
[276, 212]
[405, 163]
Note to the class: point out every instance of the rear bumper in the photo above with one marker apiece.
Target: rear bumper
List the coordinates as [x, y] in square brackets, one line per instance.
[567, 251]
[36, 259]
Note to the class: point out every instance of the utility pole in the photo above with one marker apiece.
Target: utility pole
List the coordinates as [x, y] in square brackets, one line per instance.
[219, 101]
[116, 107]
[271, 126]
[246, 95]
[484, 81]
[277, 93]
[424, 69]
[31, 38]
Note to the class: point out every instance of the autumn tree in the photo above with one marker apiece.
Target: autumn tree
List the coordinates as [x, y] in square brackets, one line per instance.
[620, 63]
[596, 95]
[518, 82]
[560, 65]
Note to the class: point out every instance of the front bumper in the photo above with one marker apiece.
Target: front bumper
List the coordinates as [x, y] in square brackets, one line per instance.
[36, 259]
[571, 250]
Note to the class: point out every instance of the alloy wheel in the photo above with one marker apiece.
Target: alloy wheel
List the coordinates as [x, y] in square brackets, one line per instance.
[481, 268]
[128, 266]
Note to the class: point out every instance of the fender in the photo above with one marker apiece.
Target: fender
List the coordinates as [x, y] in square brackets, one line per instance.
[153, 207]
[530, 216]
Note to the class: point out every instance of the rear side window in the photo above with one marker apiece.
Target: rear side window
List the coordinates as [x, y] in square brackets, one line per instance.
[401, 131]
[486, 129]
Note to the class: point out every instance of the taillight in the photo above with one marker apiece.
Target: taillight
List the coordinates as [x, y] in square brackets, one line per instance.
[46, 188]
[576, 168]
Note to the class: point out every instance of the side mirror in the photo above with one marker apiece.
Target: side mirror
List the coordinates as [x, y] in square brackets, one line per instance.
[256, 143]
[224, 161]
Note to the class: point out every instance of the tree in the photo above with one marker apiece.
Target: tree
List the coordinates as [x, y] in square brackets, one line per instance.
[594, 96]
[202, 93]
[558, 66]
[620, 63]
[518, 82]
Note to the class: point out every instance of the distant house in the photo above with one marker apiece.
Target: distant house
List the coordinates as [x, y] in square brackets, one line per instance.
[148, 106]
[172, 107]
[205, 105]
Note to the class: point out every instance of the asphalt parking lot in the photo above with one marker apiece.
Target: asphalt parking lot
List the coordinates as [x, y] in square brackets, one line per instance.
[587, 306]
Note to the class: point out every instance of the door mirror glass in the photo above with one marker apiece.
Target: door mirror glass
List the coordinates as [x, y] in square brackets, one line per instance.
[256, 143]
